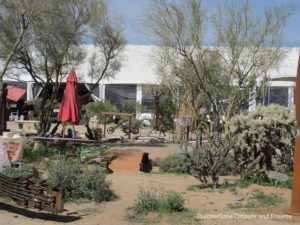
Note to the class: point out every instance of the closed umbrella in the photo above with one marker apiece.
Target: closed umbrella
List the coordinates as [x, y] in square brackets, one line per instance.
[69, 107]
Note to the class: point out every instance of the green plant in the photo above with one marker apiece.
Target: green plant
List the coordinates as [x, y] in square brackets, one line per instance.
[148, 201]
[264, 200]
[97, 108]
[173, 201]
[62, 168]
[131, 106]
[167, 111]
[36, 154]
[264, 136]
[92, 184]
[173, 164]
[84, 183]
[137, 123]
[16, 172]
[260, 199]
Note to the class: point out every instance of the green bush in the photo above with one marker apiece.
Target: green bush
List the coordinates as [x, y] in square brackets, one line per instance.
[264, 138]
[16, 172]
[148, 201]
[173, 201]
[61, 168]
[33, 155]
[84, 183]
[137, 123]
[92, 184]
[173, 164]
[131, 106]
[97, 108]
[259, 200]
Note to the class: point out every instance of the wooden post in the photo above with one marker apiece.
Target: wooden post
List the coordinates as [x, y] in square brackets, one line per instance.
[187, 133]
[104, 126]
[129, 127]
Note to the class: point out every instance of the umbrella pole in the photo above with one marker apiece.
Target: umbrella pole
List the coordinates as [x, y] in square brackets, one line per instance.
[64, 129]
[73, 133]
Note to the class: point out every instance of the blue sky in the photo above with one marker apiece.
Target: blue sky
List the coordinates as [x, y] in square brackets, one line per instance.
[132, 14]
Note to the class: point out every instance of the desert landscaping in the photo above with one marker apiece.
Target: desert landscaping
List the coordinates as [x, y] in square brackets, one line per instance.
[201, 206]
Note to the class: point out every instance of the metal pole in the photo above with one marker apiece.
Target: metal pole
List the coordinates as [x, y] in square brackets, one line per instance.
[187, 132]
[129, 127]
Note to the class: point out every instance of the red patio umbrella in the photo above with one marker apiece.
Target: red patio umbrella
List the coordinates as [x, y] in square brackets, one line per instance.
[69, 107]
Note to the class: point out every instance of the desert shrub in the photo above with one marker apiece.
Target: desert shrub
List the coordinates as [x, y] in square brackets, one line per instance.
[16, 172]
[84, 183]
[61, 168]
[260, 199]
[97, 108]
[264, 136]
[131, 106]
[173, 164]
[137, 123]
[148, 201]
[31, 154]
[92, 184]
[173, 201]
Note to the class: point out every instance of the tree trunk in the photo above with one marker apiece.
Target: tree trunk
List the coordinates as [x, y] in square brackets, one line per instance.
[2, 111]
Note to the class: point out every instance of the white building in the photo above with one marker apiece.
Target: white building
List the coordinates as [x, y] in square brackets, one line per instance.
[138, 71]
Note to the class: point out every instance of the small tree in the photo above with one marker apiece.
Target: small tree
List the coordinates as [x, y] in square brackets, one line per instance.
[246, 46]
[16, 17]
[56, 37]
[97, 108]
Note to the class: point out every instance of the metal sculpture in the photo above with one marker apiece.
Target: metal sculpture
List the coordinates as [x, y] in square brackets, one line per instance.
[29, 192]
[156, 97]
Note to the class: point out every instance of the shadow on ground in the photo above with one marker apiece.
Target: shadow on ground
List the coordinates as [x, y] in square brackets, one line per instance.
[39, 215]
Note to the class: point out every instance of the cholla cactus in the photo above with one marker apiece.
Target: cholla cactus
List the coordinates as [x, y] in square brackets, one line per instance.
[264, 137]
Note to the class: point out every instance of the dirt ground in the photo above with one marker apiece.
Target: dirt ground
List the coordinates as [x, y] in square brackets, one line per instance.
[201, 204]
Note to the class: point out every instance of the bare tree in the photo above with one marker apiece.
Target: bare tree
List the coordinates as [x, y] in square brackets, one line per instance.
[107, 37]
[245, 47]
[55, 47]
[16, 17]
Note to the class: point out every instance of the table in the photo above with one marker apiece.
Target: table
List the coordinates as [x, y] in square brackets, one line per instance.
[22, 122]
[64, 141]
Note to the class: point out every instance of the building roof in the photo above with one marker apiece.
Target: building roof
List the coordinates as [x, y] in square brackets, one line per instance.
[138, 66]
[288, 67]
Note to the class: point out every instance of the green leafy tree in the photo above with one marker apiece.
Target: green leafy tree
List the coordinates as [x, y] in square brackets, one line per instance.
[54, 47]
[97, 108]
[16, 18]
[245, 47]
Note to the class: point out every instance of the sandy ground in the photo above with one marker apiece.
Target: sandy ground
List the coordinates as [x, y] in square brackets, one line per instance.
[127, 184]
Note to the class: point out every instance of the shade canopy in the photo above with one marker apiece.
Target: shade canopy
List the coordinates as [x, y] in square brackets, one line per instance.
[14, 93]
[69, 107]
